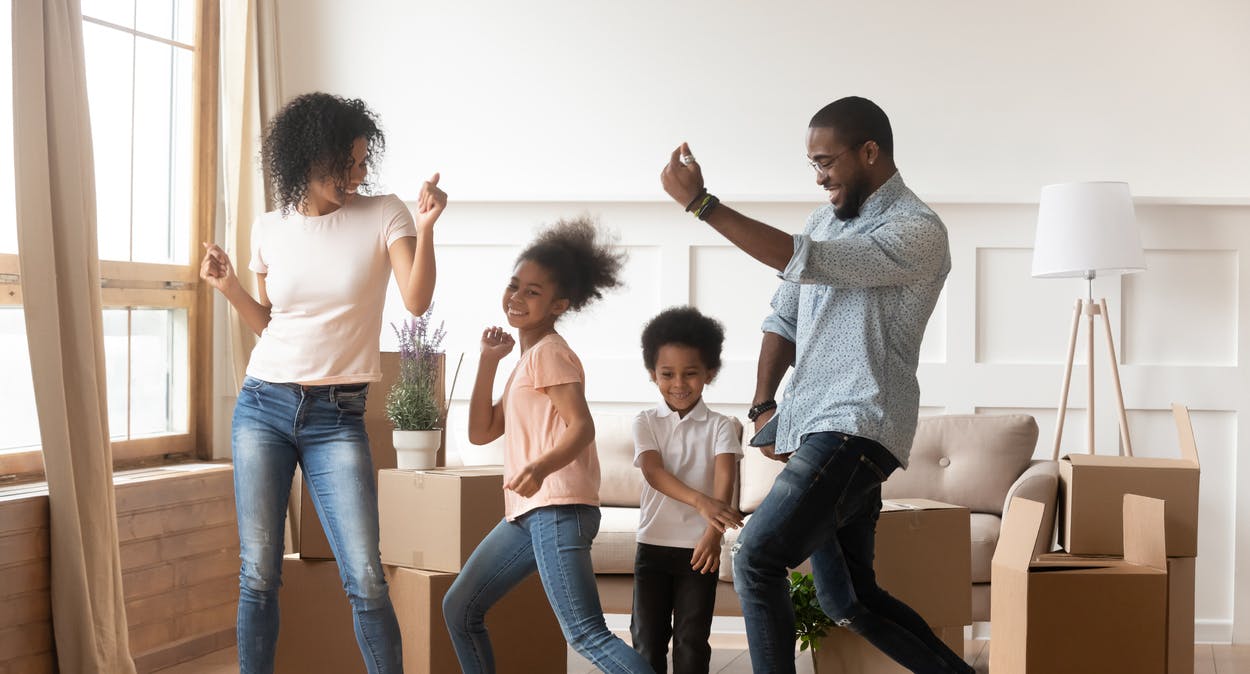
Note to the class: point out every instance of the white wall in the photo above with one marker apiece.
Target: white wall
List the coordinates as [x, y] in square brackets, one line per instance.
[549, 99]
[540, 109]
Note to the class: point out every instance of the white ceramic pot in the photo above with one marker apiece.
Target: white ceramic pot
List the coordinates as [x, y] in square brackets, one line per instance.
[416, 449]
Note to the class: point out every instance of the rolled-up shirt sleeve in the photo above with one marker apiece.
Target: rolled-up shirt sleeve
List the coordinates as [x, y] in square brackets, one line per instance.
[784, 318]
[895, 253]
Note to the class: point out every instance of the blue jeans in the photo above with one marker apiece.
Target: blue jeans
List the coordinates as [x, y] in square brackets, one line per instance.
[555, 541]
[825, 506]
[321, 428]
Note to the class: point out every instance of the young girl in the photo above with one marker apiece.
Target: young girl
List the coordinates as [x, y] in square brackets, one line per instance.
[551, 469]
[689, 457]
[322, 263]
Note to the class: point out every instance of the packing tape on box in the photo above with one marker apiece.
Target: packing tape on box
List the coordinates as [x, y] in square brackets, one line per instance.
[418, 558]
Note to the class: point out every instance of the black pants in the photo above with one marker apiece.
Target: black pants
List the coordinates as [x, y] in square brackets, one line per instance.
[672, 600]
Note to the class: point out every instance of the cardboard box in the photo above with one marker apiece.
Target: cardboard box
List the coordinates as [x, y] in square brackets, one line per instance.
[924, 558]
[842, 651]
[1094, 485]
[311, 542]
[1181, 579]
[1080, 615]
[434, 519]
[1180, 640]
[317, 633]
[524, 632]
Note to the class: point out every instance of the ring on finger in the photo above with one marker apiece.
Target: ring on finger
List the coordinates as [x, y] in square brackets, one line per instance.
[687, 159]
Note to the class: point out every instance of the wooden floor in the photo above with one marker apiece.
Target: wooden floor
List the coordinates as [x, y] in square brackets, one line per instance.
[729, 656]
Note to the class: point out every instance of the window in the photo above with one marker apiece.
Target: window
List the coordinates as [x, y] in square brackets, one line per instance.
[151, 93]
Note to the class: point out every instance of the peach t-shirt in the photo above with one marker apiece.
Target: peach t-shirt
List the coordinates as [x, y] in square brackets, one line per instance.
[326, 277]
[532, 426]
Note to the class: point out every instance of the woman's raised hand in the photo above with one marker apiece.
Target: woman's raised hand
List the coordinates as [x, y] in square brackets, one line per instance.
[496, 343]
[216, 268]
[430, 203]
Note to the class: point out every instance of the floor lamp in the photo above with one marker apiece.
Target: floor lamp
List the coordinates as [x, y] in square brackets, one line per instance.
[1085, 230]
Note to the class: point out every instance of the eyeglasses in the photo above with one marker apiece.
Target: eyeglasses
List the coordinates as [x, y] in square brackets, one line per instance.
[825, 163]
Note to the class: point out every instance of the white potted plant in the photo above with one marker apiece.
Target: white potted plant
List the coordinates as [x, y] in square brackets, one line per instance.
[414, 404]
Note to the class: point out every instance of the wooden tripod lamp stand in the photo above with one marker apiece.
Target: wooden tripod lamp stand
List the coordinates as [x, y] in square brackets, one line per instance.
[1085, 230]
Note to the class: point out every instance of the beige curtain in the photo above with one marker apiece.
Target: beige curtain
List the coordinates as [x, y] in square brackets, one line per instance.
[249, 97]
[56, 230]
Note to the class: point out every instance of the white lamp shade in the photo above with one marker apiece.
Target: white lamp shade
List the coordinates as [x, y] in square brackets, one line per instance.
[1084, 228]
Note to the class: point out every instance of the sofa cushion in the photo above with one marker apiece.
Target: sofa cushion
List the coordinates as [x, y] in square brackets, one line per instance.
[755, 476]
[985, 528]
[620, 482]
[614, 547]
[968, 460]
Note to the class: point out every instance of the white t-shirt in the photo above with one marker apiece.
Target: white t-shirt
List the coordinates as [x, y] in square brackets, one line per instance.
[688, 447]
[326, 277]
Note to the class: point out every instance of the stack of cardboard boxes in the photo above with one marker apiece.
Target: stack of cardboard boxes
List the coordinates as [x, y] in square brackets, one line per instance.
[430, 521]
[1121, 595]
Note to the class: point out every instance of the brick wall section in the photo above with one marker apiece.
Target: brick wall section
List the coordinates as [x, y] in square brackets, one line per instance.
[180, 563]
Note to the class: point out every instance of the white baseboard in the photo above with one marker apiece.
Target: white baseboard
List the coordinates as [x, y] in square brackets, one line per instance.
[1213, 631]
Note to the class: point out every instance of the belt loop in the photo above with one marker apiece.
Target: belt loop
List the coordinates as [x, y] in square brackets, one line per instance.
[334, 393]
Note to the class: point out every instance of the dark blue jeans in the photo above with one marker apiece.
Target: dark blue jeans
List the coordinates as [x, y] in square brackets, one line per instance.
[825, 506]
[321, 428]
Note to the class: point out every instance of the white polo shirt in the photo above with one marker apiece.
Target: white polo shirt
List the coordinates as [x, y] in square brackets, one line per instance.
[688, 447]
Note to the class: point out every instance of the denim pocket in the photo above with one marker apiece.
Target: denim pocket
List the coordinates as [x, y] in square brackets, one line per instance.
[588, 518]
[862, 493]
[350, 405]
[251, 383]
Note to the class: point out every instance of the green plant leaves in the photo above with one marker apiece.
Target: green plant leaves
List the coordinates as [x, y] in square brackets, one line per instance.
[810, 622]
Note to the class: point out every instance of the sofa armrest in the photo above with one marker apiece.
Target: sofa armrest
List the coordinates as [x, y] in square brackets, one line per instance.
[1039, 482]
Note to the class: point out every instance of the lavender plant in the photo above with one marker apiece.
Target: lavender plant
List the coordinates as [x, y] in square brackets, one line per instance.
[414, 402]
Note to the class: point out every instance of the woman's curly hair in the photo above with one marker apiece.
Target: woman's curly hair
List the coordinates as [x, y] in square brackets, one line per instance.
[311, 138]
[580, 259]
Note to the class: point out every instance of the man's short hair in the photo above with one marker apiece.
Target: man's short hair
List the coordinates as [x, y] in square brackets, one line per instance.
[857, 121]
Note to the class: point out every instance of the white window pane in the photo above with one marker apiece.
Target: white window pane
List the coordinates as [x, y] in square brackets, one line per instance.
[8, 216]
[19, 424]
[182, 162]
[120, 12]
[153, 174]
[158, 383]
[117, 368]
[110, 69]
[170, 19]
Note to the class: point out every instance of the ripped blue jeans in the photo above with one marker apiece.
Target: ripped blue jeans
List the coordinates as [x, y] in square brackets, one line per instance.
[825, 505]
[320, 428]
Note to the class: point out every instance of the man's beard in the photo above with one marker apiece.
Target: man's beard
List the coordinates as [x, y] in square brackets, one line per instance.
[854, 200]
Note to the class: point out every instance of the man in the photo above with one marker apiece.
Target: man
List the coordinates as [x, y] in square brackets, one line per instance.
[857, 289]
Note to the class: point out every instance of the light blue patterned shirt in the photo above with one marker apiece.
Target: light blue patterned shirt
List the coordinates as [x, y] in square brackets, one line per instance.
[855, 299]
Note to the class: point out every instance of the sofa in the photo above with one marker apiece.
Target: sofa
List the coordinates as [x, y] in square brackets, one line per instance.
[977, 461]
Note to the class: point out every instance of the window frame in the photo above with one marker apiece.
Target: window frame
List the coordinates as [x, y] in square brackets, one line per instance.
[133, 285]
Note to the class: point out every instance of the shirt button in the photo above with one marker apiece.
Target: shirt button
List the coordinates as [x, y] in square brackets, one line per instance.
[944, 462]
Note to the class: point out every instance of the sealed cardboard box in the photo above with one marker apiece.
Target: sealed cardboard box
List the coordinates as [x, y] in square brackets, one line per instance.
[842, 651]
[312, 541]
[434, 519]
[1094, 485]
[524, 633]
[317, 633]
[1079, 615]
[924, 558]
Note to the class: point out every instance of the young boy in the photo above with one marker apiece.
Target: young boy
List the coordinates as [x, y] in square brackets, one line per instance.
[689, 457]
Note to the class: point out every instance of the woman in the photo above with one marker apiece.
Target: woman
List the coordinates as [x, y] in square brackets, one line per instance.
[321, 263]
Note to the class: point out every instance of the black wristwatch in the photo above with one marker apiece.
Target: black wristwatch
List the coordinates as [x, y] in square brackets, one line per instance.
[760, 408]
